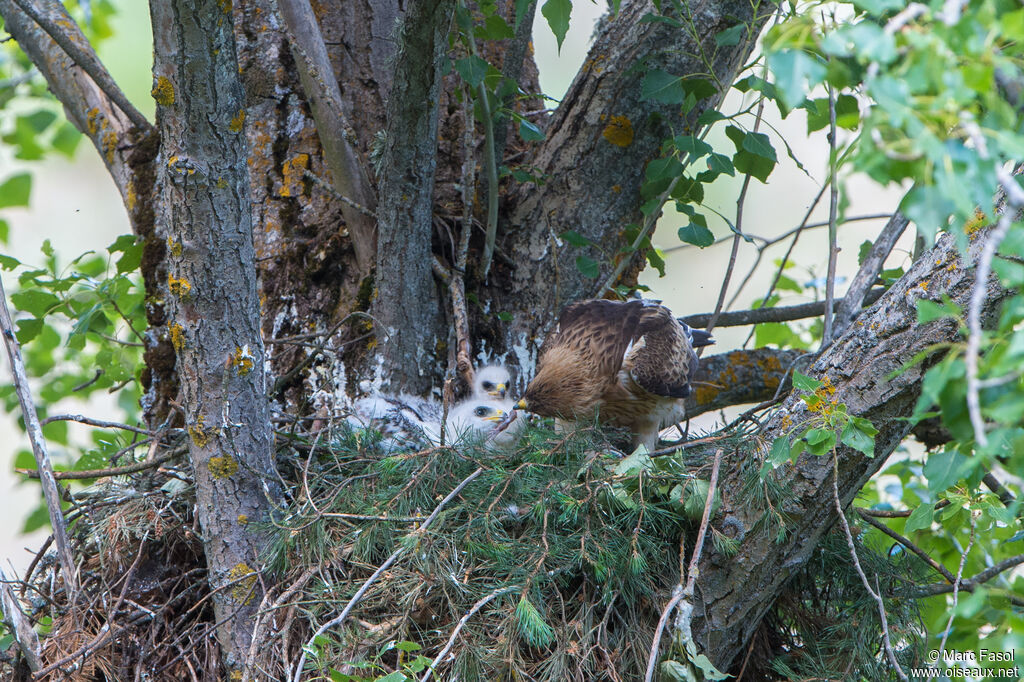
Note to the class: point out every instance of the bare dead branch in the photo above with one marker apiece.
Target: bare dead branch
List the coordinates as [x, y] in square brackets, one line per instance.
[349, 175]
[53, 18]
[833, 213]
[876, 595]
[19, 624]
[969, 584]
[97, 422]
[112, 471]
[740, 377]
[457, 291]
[787, 313]
[42, 455]
[851, 304]
[462, 623]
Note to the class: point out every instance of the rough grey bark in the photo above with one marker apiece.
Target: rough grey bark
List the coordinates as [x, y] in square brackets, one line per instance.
[737, 590]
[211, 294]
[406, 305]
[337, 139]
[869, 269]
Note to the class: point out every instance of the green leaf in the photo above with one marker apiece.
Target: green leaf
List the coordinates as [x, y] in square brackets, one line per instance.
[731, 36]
[8, 262]
[66, 139]
[15, 190]
[575, 238]
[695, 234]
[945, 468]
[820, 441]
[661, 86]
[755, 165]
[855, 437]
[928, 311]
[473, 69]
[920, 519]
[557, 13]
[759, 144]
[494, 28]
[802, 382]
[530, 132]
[588, 266]
[779, 454]
[796, 73]
[35, 302]
[28, 330]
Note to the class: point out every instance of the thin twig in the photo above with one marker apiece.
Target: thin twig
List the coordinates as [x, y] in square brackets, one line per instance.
[974, 581]
[462, 623]
[908, 544]
[956, 586]
[833, 212]
[340, 618]
[35, 435]
[112, 471]
[860, 571]
[96, 422]
[740, 202]
[680, 592]
[56, 28]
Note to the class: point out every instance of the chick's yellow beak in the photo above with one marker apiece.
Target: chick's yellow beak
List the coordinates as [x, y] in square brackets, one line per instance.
[501, 389]
[496, 417]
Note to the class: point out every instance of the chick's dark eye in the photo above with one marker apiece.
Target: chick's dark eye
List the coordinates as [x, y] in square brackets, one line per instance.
[488, 385]
[480, 411]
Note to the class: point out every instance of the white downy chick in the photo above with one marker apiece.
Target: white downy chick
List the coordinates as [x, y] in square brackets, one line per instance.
[492, 381]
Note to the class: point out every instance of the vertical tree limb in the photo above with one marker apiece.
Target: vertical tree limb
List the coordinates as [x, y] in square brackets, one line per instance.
[211, 291]
[321, 87]
[406, 301]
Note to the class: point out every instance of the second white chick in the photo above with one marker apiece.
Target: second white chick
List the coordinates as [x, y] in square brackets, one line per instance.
[492, 381]
[476, 419]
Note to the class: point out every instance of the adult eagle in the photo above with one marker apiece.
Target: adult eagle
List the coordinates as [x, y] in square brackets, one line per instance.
[627, 364]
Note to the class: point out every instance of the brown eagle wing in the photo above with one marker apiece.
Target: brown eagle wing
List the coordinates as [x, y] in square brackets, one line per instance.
[600, 331]
[663, 361]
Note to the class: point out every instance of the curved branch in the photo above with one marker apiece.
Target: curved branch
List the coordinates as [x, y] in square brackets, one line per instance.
[741, 377]
[91, 100]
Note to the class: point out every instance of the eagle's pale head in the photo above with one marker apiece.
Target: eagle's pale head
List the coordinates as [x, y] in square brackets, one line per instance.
[562, 388]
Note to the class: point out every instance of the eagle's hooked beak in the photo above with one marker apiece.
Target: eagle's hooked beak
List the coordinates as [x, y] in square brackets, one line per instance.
[521, 405]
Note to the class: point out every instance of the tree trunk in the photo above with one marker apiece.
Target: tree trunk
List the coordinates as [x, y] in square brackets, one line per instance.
[211, 293]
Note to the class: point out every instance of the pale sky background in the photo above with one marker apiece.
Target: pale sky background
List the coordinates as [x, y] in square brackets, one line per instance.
[77, 207]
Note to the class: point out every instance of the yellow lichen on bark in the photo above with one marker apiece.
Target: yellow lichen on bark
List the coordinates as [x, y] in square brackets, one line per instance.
[243, 579]
[619, 131]
[242, 360]
[292, 172]
[178, 286]
[177, 337]
[237, 122]
[201, 435]
[224, 466]
[163, 91]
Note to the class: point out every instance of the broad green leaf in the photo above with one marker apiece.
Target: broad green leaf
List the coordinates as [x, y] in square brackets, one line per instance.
[731, 36]
[35, 301]
[852, 436]
[695, 234]
[588, 266]
[820, 441]
[473, 69]
[15, 190]
[529, 132]
[661, 86]
[575, 238]
[920, 519]
[802, 382]
[796, 73]
[945, 468]
[557, 13]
